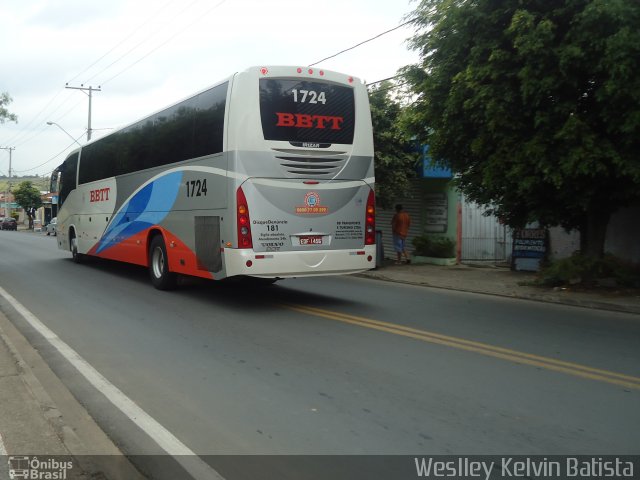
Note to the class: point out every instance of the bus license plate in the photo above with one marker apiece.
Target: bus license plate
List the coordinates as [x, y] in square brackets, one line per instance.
[310, 240]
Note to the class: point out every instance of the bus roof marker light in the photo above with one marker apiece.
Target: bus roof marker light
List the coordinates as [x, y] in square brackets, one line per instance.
[264, 70]
[350, 79]
[322, 73]
[311, 71]
[299, 70]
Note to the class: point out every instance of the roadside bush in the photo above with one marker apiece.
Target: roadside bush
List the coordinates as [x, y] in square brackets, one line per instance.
[578, 269]
[431, 246]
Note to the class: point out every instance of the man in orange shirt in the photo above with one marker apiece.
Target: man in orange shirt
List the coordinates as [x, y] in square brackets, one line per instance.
[400, 227]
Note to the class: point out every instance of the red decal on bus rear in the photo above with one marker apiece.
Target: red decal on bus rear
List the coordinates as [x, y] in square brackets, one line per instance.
[302, 120]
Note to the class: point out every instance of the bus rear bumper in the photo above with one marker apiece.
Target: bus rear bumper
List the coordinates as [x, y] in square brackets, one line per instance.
[297, 263]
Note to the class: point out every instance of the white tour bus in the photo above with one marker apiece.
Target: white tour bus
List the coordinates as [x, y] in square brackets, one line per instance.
[267, 174]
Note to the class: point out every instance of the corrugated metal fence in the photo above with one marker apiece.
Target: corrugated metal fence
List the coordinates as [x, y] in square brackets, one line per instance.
[484, 238]
[413, 204]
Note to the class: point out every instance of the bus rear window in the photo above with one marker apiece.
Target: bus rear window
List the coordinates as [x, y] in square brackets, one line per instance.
[306, 111]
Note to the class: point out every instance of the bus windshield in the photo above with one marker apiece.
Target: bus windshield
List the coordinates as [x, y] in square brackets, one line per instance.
[300, 111]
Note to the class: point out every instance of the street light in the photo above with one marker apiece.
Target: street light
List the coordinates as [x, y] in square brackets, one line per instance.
[68, 134]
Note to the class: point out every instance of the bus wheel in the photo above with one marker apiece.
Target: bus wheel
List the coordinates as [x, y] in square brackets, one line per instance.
[161, 277]
[77, 257]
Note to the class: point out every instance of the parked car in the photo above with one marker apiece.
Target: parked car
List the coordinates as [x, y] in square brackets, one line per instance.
[51, 226]
[9, 223]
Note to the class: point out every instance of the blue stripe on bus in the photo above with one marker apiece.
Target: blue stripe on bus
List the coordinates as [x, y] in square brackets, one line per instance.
[148, 207]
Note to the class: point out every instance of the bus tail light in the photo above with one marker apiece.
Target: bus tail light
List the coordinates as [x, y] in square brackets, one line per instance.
[370, 222]
[242, 219]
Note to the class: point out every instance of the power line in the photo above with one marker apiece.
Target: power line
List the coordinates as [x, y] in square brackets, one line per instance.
[52, 158]
[24, 137]
[362, 43]
[392, 87]
[48, 110]
[179, 32]
[139, 44]
[162, 44]
[133, 32]
[25, 128]
[385, 79]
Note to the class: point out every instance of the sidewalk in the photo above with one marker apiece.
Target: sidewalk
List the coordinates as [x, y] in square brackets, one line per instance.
[29, 421]
[43, 430]
[501, 281]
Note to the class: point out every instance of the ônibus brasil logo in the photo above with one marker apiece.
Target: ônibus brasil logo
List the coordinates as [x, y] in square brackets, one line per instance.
[35, 468]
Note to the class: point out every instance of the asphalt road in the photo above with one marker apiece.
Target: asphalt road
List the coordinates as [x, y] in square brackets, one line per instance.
[332, 365]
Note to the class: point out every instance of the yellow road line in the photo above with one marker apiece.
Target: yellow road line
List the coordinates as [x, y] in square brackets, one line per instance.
[515, 356]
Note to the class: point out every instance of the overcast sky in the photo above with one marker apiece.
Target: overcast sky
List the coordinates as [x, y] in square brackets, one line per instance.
[147, 54]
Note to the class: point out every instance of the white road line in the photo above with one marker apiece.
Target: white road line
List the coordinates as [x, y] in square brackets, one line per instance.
[4, 460]
[163, 437]
[3, 451]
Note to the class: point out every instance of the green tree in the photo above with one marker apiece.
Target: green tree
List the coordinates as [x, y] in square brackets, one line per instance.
[28, 197]
[5, 115]
[535, 104]
[395, 163]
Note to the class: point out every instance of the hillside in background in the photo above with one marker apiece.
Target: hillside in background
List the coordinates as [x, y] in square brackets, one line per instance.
[41, 183]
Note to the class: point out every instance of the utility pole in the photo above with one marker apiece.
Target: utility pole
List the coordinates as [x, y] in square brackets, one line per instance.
[90, 89]
[6, 193]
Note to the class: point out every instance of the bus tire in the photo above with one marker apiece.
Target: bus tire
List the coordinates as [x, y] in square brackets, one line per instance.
[161, 277]
[73, 246]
